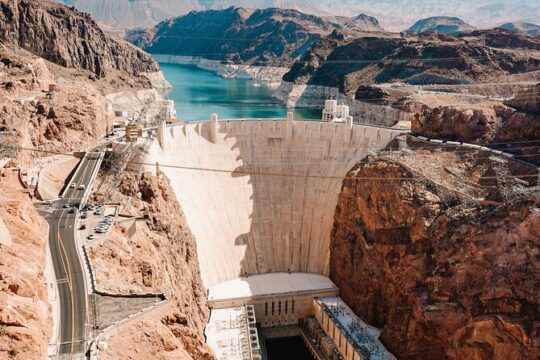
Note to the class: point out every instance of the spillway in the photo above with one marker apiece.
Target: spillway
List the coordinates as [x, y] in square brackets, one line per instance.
[260, 194]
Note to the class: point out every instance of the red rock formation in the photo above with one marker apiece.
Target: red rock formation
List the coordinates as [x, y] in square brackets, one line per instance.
[422, 255]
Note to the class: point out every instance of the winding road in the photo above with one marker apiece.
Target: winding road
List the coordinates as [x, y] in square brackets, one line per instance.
[70, 275]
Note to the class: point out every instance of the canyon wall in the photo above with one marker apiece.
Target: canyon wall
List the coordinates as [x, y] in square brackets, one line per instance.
[267, 197]
[439, 254]
[513, 126]
[68, 38]
[25, 312]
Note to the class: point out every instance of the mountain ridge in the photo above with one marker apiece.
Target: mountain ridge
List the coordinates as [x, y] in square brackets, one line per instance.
[272, 37]
[441, 24]
[395, 15]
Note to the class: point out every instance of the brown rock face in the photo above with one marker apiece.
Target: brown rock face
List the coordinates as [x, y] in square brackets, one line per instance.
[25, 323]
[511, 130]
[74, 116]
[348, 62]
[160, 257]
[68, 38]
[445, 276]
[527, 101]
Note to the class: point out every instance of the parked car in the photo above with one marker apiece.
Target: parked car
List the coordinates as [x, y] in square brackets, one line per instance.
[84, 215]
[82, 227]
[91, 237]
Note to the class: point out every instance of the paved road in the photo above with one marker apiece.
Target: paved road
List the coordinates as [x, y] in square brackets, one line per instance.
[70, 275]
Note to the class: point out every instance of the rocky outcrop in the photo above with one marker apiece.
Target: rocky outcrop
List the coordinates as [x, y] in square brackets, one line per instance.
[440, 24]
[73, 116]
[159, 256]
[348, 62]
[527, 100]
[440, 254]
[267, 37]
[68, 38]
[25, 320]
[482, 122]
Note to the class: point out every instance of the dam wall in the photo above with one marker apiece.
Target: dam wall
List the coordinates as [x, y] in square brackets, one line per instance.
[260, 195]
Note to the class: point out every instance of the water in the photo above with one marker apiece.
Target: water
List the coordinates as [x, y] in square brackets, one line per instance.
[198, 93]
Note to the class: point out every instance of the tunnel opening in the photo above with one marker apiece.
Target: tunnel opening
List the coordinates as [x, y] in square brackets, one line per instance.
[287, 348]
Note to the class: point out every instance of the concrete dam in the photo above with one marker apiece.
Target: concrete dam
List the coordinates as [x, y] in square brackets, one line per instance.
[260, 195]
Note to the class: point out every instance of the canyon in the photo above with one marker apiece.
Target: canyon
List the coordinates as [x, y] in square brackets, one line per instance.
[424, 243]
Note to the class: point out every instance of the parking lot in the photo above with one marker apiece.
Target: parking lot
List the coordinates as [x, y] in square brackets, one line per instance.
[96, 222]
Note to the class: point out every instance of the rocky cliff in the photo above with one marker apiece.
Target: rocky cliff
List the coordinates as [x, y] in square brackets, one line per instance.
[73, 116]
[68, 38]
[439, 248]
[161, 256]
[512, 127]
[346, 62]
[25, 312]
[270, 37]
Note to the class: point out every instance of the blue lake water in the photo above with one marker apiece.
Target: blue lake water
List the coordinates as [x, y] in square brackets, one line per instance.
[198, 93]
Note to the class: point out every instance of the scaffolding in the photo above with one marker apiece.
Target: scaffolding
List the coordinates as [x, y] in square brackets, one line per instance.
[117, 162]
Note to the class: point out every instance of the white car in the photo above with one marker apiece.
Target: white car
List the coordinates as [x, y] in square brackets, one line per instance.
[82, 187]
[73, 186]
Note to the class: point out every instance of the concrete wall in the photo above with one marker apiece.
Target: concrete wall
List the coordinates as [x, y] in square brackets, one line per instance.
[271, 205]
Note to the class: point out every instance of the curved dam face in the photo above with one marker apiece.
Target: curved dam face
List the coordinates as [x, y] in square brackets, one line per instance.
[260, 195]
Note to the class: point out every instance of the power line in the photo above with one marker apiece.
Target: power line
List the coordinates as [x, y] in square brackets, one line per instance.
[275, 174]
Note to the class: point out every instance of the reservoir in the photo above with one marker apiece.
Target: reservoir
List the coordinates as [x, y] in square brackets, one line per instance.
[198, 93]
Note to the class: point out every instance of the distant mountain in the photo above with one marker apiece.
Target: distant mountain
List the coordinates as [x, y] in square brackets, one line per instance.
[394, 15]
[274, 37]
[147, 13]
[440, 24]
[522, 27]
